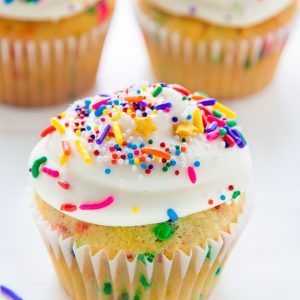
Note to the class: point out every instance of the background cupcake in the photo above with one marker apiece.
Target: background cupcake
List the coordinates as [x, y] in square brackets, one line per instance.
[227, 48]
[141, 193]
[50, 50]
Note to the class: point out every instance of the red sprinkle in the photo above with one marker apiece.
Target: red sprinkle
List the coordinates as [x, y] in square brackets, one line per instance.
[180, 89]
[65, 185]
[68, 207]
[228, 139]
[231, 187]
[47, 131]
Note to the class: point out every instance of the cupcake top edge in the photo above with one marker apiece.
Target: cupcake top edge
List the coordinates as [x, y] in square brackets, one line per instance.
[240, 13]
[143, 155]
[48, 10]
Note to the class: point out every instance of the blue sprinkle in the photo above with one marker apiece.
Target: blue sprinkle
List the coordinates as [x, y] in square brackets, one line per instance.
[145, 114]
[134, 147]
[177, 152]
[131, 161]
[138, 91]
[99, 111]
[189, 117]
[88, 128]
[175, 119]
[107, 171]
[222, 197]
[117, 102]
[172, 215]
[197, 164]
[130, 155]
[142, 145]
[173, 162]
[143, 166]
[116, 146]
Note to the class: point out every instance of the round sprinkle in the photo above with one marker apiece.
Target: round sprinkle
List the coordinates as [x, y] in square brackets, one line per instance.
[175, 119]
[68, 207]
[107, 171]
[35, 169]
[107, 288]
[97, 205]
[172, 215]
[163, 231]
[222, 197]
[135, 210]
[231, 187]
[192, 175]
[197, 164]
[210, 201]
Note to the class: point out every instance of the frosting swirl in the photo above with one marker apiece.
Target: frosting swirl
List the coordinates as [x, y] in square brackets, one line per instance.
[143, 155]
[239, 13]
[46, 9]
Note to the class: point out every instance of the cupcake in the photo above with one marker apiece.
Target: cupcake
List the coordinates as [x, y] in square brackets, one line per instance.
[141, 193]
[50, 50]
[227, 48]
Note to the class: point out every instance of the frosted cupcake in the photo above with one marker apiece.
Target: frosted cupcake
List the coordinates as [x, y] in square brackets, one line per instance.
[227, 48]
[50, 50]
[142, 193]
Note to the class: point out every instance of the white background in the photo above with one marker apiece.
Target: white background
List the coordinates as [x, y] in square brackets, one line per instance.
[266, 262]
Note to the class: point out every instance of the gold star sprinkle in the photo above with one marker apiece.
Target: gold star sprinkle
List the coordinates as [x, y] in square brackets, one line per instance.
[186, 129]
[144, 126]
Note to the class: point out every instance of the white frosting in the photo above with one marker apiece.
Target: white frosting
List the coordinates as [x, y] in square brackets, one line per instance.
[233, 13]
[153, 194]
[44, 9]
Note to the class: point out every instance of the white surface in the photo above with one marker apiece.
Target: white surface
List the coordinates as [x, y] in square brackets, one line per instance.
[265, 264]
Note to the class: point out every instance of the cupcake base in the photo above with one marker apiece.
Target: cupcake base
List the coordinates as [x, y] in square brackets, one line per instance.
[87, 276]
[45, 72]
[225, 64]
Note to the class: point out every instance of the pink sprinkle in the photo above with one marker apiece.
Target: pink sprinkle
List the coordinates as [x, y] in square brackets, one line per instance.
[100, 103]
[98, 205]
[50, 172]
[212, 118]
[192, 175]
[213, 135]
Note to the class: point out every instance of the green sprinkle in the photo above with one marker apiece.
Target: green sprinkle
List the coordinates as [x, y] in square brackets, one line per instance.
[150, 142]
[145, 282]
[177, 147]
[217, 114]
[165, 169]
[137, 295]
[235, 194]
[183, 140]
[157, 91]
[243, 138]
[91, 10]
[107, 288]
[222, 131]
[208, 255]
[218, 271]
[184, 98]
[124, 296]
[247, 63]
[35, 169]
[163, 231]
[202, 94]
[231, 123]
[147, 256]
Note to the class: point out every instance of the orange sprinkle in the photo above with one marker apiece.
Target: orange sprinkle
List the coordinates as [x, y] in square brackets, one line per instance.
[66, 147]
[156, 152]
[113, 161]
[133, 116]
[198, 97]
[137, 98]
[210, 201]
[142, 159]
[183, 149]
[115, 156]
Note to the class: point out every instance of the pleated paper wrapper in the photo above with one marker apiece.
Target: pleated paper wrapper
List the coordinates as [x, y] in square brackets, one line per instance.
[222, 68]
[46, 72]
[87, 276]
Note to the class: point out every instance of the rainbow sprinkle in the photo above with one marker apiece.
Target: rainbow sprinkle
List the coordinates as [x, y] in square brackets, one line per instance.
[98, 205]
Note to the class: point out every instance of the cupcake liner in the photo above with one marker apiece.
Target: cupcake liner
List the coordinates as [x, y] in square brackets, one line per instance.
[87, 276]
[223, 68]
[46, 72]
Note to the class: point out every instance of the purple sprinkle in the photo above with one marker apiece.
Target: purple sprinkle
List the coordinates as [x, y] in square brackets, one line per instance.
[207, 102]
[103, 95]
[9, 293]
[211, 127]
[103, 134]
[163, 106]
[142, 104]
[237, 138]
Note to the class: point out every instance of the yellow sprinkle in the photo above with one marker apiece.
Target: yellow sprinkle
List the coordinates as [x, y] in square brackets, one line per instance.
[116, 108]
[63, 115]
[107, 138]
[117, 132]
[63, 159]
[129, 111]
[135, 210]
[114, 118]
[96, 127]
[58, 126]
[154, 112]
[82, 151]
[78, 132]
[136, 161]
[186, 129]
[198, 120]
[119, 114]
[105, 112]
[144, 88]
[225, 110]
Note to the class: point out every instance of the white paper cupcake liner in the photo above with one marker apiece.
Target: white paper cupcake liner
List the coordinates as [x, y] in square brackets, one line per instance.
[87, 276]
[44, 72]
[223, 67]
